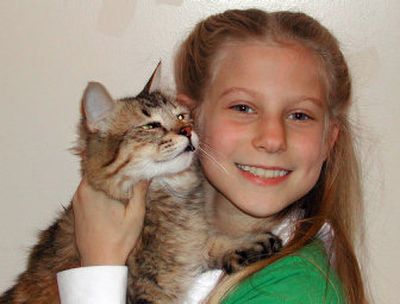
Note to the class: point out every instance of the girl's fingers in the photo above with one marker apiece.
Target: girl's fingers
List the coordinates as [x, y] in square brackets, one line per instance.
[79, 191]
[106, 230]
[136, 205]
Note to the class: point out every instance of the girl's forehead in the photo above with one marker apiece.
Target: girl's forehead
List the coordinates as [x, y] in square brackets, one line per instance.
[236, 54]
[268, 68]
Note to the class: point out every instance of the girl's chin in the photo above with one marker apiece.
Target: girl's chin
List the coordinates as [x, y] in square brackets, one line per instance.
[251, 206]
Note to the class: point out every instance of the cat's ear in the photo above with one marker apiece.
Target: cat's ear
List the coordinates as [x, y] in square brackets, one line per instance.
[97, 105]
[154, 83]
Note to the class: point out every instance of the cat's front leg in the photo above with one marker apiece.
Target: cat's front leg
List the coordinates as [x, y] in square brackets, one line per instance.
[233, 254]
[146, 290]
[159, 280]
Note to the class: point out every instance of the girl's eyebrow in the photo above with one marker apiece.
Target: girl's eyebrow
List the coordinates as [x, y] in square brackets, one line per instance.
[315, 100]
[238, 89]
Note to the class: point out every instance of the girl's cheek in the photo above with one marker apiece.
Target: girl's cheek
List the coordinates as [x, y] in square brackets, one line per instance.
[221, 128]
[310, 146]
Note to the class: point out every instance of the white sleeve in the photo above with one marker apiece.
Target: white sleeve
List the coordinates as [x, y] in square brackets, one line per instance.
[202, 286]
[94, 284]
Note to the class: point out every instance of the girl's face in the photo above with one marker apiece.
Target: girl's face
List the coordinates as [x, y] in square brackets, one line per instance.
[263, 126]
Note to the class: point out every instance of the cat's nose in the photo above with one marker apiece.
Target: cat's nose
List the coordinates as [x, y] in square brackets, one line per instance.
[186, 131]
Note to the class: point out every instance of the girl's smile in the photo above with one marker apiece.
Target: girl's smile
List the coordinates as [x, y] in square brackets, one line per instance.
[264, 121]
[263, 176]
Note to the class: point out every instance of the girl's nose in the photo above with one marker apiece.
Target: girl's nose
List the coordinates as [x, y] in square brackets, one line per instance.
[270, 136]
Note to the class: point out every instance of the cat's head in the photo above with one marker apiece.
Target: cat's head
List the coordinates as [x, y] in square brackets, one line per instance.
[126, 140]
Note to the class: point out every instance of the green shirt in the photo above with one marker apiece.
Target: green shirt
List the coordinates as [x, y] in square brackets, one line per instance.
[301, 278]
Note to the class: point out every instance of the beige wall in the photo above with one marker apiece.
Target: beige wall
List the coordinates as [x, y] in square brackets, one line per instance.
[51, 48]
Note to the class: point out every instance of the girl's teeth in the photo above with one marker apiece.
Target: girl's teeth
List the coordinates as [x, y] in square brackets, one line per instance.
[263, 172]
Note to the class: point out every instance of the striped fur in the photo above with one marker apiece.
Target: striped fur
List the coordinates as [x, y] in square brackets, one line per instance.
[120, 143]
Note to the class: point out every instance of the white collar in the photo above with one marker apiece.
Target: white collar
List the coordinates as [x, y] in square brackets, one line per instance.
[205, 282]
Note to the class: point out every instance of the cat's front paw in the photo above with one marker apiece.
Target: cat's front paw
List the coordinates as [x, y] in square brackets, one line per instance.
[264, 246]
[143, 301]
[138, 301]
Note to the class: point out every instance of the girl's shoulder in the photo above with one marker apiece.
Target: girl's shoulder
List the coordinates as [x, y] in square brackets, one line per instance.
[304, 277]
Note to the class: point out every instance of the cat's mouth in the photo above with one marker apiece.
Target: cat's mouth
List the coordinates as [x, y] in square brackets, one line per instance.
[189, 147]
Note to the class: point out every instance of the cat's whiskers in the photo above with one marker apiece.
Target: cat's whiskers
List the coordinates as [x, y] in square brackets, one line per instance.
[211, 157]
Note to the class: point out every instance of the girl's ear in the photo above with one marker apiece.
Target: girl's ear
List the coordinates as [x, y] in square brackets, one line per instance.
[186, 101]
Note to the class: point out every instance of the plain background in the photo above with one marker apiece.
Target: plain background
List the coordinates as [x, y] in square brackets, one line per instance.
[50, 49]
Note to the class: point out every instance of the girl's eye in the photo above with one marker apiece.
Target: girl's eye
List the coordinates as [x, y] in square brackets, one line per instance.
[299, 116]
[151, 125]
[242, 108]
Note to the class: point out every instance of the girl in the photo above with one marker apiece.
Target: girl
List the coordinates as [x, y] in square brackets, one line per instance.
[270, 93]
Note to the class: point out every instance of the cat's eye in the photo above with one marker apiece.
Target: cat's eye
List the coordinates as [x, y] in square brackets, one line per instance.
[181, 116]
[152, 125]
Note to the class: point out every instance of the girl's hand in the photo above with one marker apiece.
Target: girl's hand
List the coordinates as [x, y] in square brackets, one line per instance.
[106, 231]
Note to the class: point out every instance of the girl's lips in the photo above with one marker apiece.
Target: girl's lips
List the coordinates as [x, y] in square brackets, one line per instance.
[260, 170]
[263, 175]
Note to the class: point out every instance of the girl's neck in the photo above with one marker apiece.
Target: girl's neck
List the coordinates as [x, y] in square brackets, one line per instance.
[227, 218]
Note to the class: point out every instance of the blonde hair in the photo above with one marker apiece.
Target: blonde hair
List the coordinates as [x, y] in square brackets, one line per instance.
[337, 197]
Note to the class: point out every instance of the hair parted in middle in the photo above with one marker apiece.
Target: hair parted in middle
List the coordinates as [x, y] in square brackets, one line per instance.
[336, 198]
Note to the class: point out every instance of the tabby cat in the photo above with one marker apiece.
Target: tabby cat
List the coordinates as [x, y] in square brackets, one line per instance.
[123, 141]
